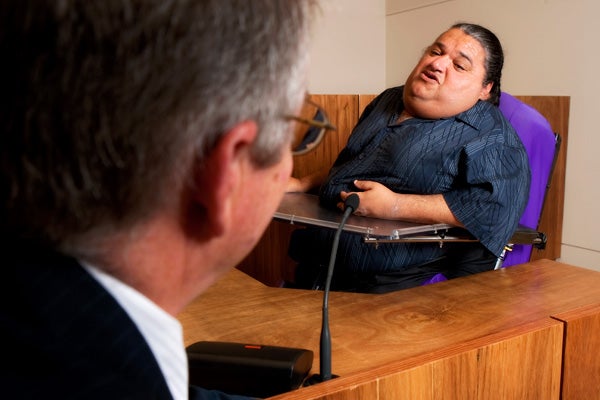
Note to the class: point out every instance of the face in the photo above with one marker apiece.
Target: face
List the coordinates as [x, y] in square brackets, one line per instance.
[263, 190]
[448, 78]
[235, 201]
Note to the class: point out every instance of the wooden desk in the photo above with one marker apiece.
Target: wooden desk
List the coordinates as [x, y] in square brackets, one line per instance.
[501, 334]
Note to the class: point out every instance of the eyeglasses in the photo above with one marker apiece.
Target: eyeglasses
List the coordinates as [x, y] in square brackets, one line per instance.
[316, 118]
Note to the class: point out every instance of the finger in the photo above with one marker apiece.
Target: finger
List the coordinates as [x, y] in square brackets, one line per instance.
[363, 185]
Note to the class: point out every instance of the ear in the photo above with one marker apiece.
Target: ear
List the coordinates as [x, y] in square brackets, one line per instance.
[218, 178]
[485, 91]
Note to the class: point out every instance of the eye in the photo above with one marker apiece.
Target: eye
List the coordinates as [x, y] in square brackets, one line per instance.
[435, 52]
[460, 67]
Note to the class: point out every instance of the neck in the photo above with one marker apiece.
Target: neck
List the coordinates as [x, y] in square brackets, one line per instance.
[404, 115]
[159, 261]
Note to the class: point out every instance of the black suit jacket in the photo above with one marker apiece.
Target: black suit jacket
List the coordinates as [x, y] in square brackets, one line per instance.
[65, 337]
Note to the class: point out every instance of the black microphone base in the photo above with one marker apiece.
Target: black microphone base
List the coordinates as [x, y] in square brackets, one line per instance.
[316, 378]
[248, 370]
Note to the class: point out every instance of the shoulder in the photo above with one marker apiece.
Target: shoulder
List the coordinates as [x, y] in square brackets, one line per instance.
[483, 116]
[384, 105]
[389, 95]
[491, 123]
[494, 138]
[54, 303]
[393, 94]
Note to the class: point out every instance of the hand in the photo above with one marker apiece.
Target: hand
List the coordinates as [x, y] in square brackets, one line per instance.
[307, 182]
[376, 200]
[295, 185]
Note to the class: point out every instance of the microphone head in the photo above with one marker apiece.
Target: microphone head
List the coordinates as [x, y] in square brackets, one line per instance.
[352, 202]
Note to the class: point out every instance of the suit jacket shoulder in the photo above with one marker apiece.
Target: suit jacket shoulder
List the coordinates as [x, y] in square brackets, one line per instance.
[71, 339]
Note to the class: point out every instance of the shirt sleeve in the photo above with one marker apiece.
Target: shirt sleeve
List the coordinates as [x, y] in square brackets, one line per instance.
[492, 192]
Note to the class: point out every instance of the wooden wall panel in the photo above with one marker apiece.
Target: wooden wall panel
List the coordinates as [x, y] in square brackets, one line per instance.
[556, 110]
[343, 113]
[363, 101]
[269, 262]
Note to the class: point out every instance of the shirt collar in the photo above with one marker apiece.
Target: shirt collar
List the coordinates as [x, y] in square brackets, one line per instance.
[471, 117]
[163, 332]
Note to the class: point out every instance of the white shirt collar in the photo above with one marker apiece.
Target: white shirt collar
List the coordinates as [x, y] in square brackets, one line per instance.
[162, 331]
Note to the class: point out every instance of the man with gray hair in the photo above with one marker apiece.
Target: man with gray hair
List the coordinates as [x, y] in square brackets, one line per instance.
[145, 146]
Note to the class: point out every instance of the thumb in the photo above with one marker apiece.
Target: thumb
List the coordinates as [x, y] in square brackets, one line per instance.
[363, 185]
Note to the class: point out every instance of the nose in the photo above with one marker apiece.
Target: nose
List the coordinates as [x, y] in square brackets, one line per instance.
[440, 63]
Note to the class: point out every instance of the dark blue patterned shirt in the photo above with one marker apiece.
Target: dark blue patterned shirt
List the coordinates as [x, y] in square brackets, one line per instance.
[475, 159]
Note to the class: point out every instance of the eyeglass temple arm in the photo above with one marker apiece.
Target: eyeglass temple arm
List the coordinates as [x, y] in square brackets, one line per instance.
[313, 122]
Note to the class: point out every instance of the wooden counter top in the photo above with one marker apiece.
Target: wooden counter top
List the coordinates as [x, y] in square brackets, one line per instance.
[400, 329]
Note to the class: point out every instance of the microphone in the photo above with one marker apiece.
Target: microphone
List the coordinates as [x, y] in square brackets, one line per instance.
[264, 371]
[350, 205]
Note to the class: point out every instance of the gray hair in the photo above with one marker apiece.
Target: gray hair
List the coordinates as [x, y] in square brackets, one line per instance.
[110, 103]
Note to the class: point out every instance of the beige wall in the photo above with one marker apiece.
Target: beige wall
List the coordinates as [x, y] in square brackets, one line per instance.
[550, 48]
[348, 54]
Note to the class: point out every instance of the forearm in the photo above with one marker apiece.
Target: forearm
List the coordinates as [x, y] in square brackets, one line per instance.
[426, 209]
[307, 182]
[378, 201]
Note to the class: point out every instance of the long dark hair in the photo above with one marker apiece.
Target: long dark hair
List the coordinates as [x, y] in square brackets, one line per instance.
[494, 56]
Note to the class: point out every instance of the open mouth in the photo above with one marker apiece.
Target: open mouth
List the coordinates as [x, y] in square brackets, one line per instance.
[430, 76]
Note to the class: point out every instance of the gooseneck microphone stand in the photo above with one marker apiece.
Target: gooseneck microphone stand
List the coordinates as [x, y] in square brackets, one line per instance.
[350, 205]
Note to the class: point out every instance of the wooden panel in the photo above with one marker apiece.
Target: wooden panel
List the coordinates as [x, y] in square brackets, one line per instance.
[352, 392]
[363, 101]
[517, 364]
[581, 378]
[456, 377]
[268, 261]
[526, 367]
[556, 110]
[343, 113]
[492, 328]
[414, 384]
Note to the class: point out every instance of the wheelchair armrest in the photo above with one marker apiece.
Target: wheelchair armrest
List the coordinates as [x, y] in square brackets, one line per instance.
[525, 235]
